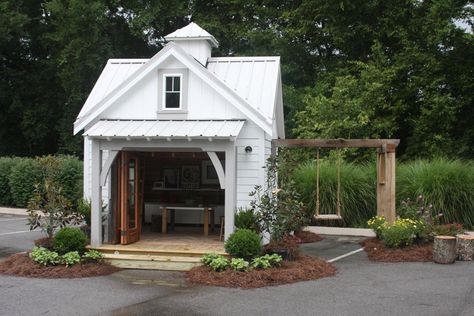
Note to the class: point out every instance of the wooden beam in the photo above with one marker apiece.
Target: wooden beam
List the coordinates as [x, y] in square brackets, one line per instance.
[386, 185]
[390, 144]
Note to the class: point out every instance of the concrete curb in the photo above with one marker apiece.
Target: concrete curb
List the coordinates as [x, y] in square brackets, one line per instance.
[345, 231]
[13, 211]
[341, 231]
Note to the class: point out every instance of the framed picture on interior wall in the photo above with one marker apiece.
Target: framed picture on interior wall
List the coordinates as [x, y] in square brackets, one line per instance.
[158, 185]
[190, 177]
[209, 174]
[171, 178]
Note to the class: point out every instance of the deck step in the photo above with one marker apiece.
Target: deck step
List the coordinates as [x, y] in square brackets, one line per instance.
[170, 263]
[152, 252]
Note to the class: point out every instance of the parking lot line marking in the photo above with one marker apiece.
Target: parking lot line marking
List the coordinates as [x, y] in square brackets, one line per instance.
[346, 255]
[12, 219]
[18, 232]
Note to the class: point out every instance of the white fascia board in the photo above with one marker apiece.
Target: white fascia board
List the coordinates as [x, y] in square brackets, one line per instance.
[278, 108]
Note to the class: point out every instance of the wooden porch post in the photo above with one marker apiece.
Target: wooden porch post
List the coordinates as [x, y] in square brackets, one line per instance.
[96, 196]
[386, 182]
[230, 188]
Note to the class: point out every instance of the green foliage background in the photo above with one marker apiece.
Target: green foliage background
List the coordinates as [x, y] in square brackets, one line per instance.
[18, 177]
[351, 68]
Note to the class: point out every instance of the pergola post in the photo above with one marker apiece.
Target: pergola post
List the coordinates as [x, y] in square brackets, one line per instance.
[386, 198]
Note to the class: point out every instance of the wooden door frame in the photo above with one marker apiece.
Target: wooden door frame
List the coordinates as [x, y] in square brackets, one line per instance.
[129, 235]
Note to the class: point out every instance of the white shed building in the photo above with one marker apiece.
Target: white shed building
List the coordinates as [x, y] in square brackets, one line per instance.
[181, 130]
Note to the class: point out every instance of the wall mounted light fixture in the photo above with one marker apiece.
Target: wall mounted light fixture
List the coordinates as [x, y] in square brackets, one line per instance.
[248, 149]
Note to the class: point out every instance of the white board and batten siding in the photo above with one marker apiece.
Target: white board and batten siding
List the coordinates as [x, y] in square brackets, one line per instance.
[250, 171]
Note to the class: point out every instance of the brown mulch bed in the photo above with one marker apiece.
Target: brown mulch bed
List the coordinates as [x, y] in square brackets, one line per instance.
[304, 268]
[308, 237]
[377, 251]
[21, 265]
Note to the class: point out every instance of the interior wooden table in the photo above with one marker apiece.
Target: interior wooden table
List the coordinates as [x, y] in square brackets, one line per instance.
[207, 211]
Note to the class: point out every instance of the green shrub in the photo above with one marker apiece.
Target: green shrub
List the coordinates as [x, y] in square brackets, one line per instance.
[219, 264]
[397, 236]
[402, 232]
[358, 191]
[447, 184]
[261, 263]
[92, 255]
[69, 239]
[277, 205]
[274, 259]
[6, 164]
[267, 261]
[377, 223]
[68, 173]
[23, 177]
[208, 257]
[83, 207]
[44, 256]
[448, 229]
[239, 264]
[246, 219]
[244, 243]
[71, 258]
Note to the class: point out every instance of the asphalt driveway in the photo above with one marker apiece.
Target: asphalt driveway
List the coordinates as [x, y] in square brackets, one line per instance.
[360, 288]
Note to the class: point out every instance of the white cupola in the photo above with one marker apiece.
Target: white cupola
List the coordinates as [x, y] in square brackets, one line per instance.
[195, 41]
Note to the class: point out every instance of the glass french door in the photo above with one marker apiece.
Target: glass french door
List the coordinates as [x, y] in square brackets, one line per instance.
[131, 197]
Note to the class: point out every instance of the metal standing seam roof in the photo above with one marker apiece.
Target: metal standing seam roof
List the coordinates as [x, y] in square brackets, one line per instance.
[115, 72]
[254, 78]
[165, 128]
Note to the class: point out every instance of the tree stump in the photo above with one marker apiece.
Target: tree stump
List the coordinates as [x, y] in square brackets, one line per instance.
[444, 249]
[465, 247]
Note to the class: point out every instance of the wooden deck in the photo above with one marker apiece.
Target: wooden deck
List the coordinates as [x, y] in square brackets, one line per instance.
[179, 251]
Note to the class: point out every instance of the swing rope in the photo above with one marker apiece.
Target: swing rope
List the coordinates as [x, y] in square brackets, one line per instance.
[336, 216]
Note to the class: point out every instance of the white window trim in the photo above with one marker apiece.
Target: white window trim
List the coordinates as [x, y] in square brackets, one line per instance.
[164, 108]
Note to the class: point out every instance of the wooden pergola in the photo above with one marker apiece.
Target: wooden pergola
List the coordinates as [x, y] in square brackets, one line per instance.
[385, 164]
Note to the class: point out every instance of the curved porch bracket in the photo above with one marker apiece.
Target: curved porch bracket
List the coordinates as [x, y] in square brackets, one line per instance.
[107, 165]
[218, 166]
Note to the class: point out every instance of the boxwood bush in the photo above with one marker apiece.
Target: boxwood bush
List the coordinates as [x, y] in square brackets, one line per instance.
[69, 239]
[244, 243]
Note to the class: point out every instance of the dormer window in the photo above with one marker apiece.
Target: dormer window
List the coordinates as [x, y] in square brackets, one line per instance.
[172, 92]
